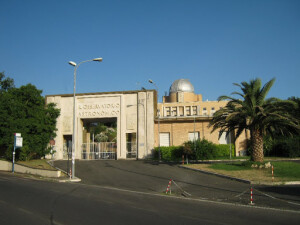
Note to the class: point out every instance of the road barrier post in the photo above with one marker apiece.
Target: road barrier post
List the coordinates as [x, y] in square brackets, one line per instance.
[272, 173]
[251, 199]
[169, 187]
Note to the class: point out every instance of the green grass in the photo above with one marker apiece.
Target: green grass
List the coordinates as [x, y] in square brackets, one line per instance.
[286, 169]
[230, 167]
[37, 163]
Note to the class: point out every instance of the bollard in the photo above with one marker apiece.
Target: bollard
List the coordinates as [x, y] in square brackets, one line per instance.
[182, 159]
[251, 198]
[169, 187]
[272, 173]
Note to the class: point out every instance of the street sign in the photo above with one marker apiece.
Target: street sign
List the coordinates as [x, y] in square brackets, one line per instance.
[52, 142]
[19, 142]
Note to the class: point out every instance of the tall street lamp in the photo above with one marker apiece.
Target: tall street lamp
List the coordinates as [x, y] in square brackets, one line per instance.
[74, 109]
[158, 115]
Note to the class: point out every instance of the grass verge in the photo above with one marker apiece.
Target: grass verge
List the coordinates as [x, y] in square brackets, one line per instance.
[283, 171]
[37, 163]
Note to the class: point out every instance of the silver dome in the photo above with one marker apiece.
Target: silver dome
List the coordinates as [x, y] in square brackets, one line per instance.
[181, 85]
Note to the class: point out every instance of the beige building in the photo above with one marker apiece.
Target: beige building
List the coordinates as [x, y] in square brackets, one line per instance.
[139, 122]
[183, 116]
[131, 112]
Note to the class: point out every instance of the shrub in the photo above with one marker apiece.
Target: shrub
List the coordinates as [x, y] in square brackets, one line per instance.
[223, 150]
[169, 153]
[199, 150]
[205, 149]
[286, 147]
[189, 149]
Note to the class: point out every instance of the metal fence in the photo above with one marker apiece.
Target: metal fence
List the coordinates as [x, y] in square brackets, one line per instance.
[99, 150]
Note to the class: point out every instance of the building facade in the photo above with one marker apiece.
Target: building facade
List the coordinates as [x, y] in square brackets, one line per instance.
[184, 116]
[138, 122]
[132, 112]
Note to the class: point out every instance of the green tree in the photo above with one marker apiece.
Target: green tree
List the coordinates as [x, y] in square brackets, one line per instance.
[296, 111]
[23, 110]
[257, 114]
[5, 83]
[284, 146]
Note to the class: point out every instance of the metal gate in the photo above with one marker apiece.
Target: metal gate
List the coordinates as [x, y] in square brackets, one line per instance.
[99, 150]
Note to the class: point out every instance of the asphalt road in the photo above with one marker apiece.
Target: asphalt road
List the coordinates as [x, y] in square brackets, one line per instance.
[27, 201]
[151, 177]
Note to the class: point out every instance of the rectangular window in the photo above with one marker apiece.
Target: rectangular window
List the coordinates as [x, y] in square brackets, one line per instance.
[193, 136]
[212, 111]
[188, 110]
[164, 139]
[204, 111]
[223, 139]
[174, 111]
[194, 110]
[168, 113]
[181, 110]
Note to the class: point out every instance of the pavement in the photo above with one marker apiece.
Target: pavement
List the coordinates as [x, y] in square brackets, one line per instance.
[153, 177]
[35, 202]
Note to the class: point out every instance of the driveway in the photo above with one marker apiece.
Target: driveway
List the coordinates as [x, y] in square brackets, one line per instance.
[151, 177]
[41, 202]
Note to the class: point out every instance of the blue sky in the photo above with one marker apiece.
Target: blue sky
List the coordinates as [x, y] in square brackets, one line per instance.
[212, 43]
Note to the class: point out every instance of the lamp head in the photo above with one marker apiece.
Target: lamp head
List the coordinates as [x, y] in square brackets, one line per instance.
[150, 81]
[97, 59]
[72, 63]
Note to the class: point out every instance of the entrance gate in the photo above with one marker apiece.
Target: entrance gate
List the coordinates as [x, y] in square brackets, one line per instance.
[99, 150]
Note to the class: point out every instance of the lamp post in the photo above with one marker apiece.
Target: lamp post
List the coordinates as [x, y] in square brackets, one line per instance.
[230, 144]
[195, 133]
[74, 109]
[158, 115]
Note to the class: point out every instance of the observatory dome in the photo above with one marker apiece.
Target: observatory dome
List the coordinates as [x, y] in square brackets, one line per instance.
[181, 85]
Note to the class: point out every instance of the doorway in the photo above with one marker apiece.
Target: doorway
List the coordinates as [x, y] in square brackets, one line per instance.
[99, 138]
[131, 146]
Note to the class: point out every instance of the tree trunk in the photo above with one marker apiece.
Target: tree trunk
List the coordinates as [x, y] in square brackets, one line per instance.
[257, 146]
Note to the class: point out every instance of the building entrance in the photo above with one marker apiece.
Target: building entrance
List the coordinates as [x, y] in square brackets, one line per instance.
[99, 138]
[108, 125]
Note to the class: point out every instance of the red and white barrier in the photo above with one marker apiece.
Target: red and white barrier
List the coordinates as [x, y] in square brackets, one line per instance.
[169, 187]
[251, 199]
[272, 173]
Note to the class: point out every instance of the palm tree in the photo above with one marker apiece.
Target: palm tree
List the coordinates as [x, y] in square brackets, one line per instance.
[255, 113]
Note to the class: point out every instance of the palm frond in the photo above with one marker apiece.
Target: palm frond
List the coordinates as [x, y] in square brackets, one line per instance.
[264, 91]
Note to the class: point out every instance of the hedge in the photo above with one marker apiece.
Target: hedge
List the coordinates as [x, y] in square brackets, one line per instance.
[200, 150]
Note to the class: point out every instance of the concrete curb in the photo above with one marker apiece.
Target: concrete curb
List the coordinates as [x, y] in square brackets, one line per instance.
[76, 179]
[70, 180]
[277, 183]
